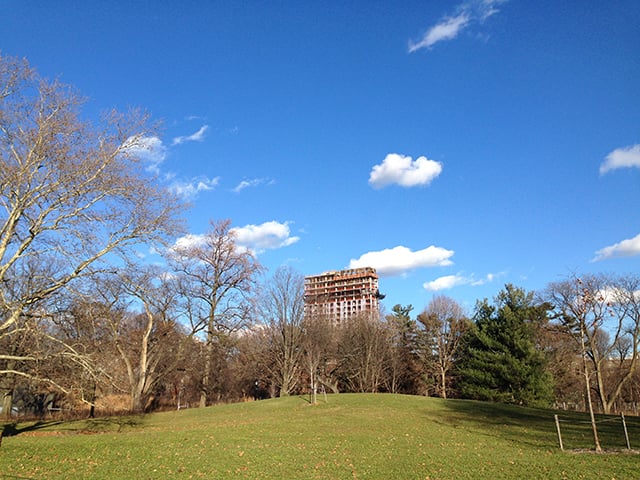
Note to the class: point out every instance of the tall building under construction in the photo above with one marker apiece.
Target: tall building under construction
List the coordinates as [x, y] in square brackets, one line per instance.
[343, 294]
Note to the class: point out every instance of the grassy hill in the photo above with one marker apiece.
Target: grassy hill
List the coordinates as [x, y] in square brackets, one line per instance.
[349, 436]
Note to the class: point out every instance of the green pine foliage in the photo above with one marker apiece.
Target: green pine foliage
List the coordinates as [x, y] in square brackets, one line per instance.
[500, 360]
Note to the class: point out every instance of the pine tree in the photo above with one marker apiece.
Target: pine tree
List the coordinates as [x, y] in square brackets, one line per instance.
[500, 360]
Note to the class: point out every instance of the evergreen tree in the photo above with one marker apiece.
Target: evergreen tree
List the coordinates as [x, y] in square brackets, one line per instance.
[500, 360]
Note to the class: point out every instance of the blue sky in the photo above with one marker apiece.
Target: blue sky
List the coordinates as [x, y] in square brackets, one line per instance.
[454, 146]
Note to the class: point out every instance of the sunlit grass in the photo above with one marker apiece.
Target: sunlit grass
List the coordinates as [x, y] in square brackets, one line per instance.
[350, 436]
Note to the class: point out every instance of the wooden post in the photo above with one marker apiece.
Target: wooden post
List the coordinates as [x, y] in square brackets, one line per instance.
[558, 430]
[626, 434]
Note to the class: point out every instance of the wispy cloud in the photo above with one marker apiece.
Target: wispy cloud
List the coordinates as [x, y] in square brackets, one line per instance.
[404, 171]
[400, 260]
[188, 190]
[449, 281]
[149, 149]
[450, 26]
[266, 236]
[447, 29]
[626, 248]
[252, 183]
[194, 137]
[625, 157]
[153, 151]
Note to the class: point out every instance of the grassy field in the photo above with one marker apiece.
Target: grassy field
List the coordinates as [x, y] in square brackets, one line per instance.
[349, 436]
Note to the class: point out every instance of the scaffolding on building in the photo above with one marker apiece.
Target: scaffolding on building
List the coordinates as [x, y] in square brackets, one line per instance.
[344, 294]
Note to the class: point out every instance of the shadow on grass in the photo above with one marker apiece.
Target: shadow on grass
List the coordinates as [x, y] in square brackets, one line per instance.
[101, 425]
[320, 399]
[108, 424]
[536, 427]
[14, 477]
[530, 427]
[12, 429]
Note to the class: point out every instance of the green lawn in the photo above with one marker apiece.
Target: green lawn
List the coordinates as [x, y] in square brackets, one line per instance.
[350, 436]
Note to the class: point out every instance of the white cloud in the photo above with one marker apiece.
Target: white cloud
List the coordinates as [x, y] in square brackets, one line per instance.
[625, 157]
[467, 13]
[267, 236]
[626, 248]
[399, 260]
[195, 137]
[402, 170]
[445, 283]
[189, 241]
[256, 238]
[189, 190]
[450, 281]
[447, 29]
[149, 149]
[251, 183]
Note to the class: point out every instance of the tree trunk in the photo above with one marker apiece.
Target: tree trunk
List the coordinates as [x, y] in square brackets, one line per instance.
[594, 427]
[92, 409]
[314, 388]
[7, 404]
[136, 401]
[602, 394]
[287, 378]
[7, 387]
[204, 386]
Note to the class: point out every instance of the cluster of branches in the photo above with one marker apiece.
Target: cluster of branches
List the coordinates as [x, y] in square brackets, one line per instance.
[79, 314]
[74, 200]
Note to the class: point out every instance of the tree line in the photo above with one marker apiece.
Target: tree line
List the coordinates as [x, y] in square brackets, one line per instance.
[86, 324]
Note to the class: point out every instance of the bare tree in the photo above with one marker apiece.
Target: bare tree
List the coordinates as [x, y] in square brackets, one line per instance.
[253, 365]
[626, 305]
[73, 196]
[218, 278]
[365, 355]
[603, 314]
[318, 344]
[149, 347]
[135, 338]
[564, 364]
[444, 323]
[83, 323]
[281, 308]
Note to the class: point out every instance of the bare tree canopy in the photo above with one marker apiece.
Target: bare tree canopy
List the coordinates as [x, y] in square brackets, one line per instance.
[281, 308]
[73, 195]
[149, 342]
[602, 312]
[217, 279]
[444, 323]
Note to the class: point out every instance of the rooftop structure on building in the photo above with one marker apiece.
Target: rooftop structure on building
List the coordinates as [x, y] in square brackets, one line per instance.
[344, 294]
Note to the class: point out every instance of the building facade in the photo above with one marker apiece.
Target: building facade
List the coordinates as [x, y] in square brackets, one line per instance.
[343, 294]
